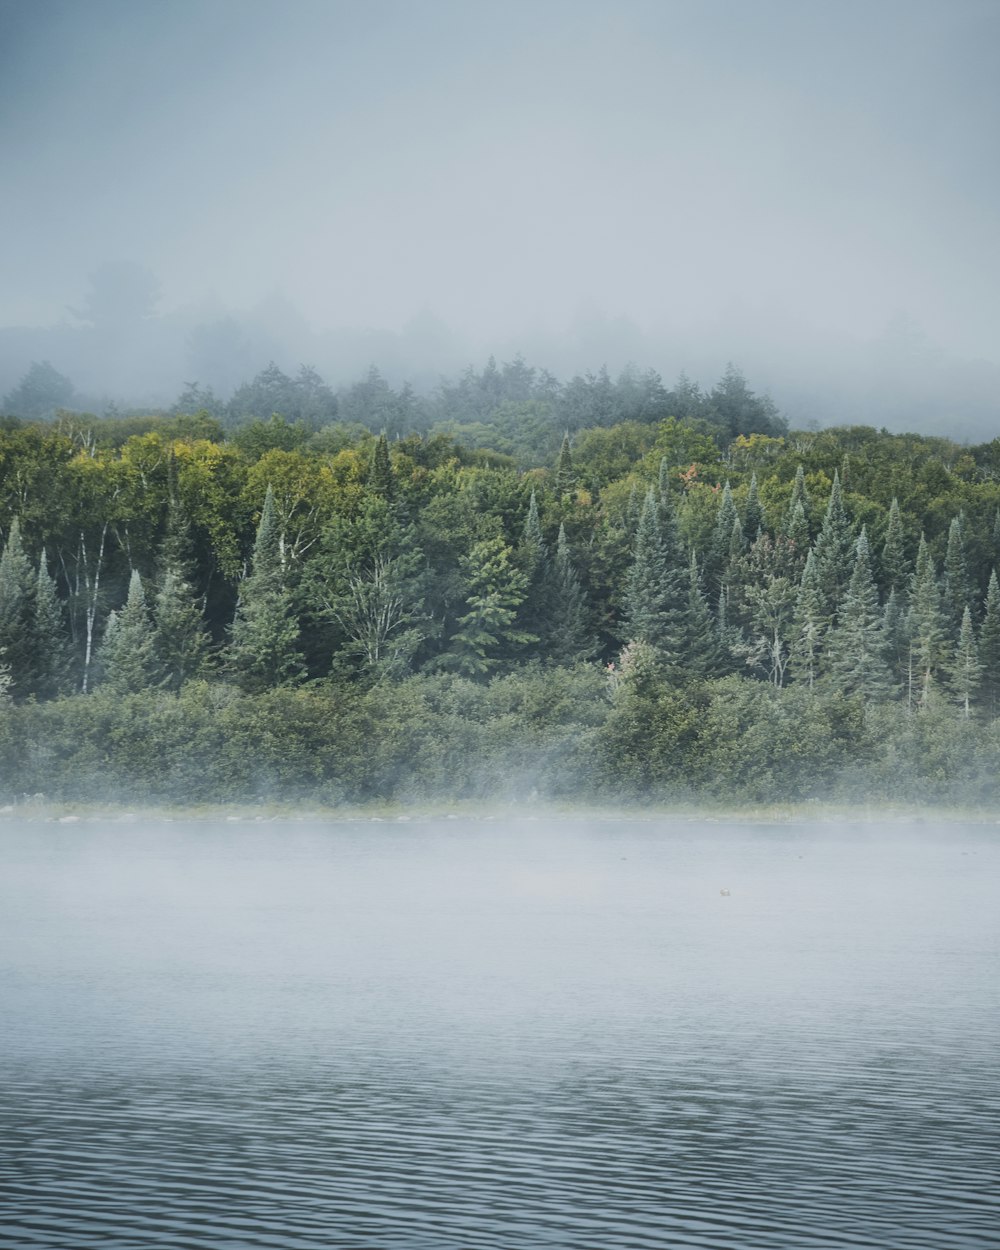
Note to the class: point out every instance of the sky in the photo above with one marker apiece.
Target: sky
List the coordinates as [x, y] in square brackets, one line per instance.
[793, 184]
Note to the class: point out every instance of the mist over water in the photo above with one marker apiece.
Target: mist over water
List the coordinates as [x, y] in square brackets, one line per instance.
[496, 1033]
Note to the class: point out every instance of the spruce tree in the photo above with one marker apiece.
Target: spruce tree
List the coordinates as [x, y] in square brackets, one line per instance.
[809, 626]
[956, 590]
[966, 669]
[127, 657]
[701, 652]
[856, 658]
[797, 528]
[895, 567]
[896, 637]
[182, 641]
[533, 559]
[753, 523]
[17, 612]
[799, 499]
[567, 634]
[565, 474]
[653, 594]
[382, 478]
[927, 626]
[52, 661]
[720, 546]
[989, 648]
[264, 638]
[835, 550]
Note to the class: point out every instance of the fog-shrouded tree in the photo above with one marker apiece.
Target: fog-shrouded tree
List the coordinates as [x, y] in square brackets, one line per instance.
[41, 392]
[927, 626]
[127, 659]
[382, 479]
[52, 658]
[989, 648]
[808, 626]
[181, 638]
[565, 472]
[856, 655]
[956, 589]
[896, 569]
[264, 637]
[798, 504]
[655, 589]
[834, 550]
[753, 514]
[966, 670]
[567, 633]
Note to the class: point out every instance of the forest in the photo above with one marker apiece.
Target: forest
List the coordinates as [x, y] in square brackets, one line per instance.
[598, 590]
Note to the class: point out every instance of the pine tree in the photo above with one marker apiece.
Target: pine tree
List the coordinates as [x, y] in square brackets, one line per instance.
[653, 595]
[565, 474]
[797, 528]
[809, 626]
[382, 479]
[895, 567]
[927, 626]
[835, 550]
[856, 647]
[52, 661]
[127, 658]
[182, 642]
[966, 670]
[17, 610]
[263, 649]
[799, 499]
[567, 635]
[701, 650]
[753, 524]
[956, 591]
[720, 546]
[989, 648]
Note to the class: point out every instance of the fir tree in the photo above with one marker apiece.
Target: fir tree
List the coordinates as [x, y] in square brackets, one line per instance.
[797, 528]
[565, 474]
[17, 611]
[669, 533]
[488, 629]
[51, 667]
[835, 550]
[989, 648]
[633, 509]
[856, 647]
[653, 596]
[799, 499]
[127, 658]
[533, 559]
[966, 670]
[567, 634]
[720, 546]
[927, 626]
[382, 478]
[895, 636]
[182, 641]
[263, 649]
[895, 567]
[701, 651]
[753, 524]
[809, 626]
[956, 591]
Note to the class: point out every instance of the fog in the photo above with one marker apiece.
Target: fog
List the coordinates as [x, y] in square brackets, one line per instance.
[807, 190]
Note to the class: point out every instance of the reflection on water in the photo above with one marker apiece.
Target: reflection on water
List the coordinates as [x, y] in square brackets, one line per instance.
[475, 1034]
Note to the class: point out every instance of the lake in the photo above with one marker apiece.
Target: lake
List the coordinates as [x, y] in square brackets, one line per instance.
[457, 1033]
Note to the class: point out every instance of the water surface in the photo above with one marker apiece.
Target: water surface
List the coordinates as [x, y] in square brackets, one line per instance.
[532, 1033]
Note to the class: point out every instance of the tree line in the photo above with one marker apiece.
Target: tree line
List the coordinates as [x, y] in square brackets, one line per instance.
[831, 593]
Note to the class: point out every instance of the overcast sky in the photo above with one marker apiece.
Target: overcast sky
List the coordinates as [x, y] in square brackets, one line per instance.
[730, 169]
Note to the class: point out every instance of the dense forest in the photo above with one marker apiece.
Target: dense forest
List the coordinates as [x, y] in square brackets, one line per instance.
[600, 589]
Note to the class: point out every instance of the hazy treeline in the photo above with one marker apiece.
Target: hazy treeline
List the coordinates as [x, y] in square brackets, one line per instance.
[664, 606]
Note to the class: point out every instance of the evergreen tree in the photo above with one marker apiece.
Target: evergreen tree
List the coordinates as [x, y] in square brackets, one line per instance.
[127, 658]
[52, 661]
[488, 630]
[856, 648]
[669, 533]
[382, 479]
[567, 634]
[720, 546]
[896, 637]
[565, 474]
[263, 648]
[989, 648]
[533, 558]
[633, 509]
[753, 524]
[649, 600]
[797, 528]
[701, 650]
[182, 641]
[927, 626]
[895, 566]
[809, 625]
[835, 550]
[966, 670]
[956, 590]
[17, 604]
[798, 500]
